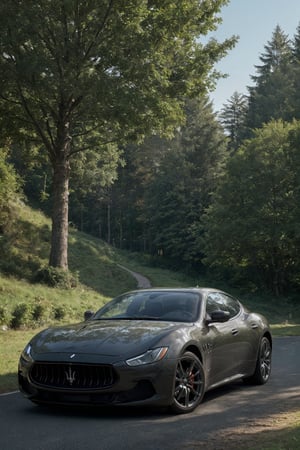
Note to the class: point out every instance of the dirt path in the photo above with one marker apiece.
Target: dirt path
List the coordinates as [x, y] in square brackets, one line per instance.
[142, 282]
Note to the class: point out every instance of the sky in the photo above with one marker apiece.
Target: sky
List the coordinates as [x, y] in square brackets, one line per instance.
[254, 21]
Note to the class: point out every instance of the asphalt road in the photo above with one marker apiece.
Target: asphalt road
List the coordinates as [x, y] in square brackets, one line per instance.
[26, 426]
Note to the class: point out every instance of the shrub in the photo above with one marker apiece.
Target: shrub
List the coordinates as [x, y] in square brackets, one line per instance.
[20, 316]
[56, 277]
[5, 315]
[59, 312]
[39, 313]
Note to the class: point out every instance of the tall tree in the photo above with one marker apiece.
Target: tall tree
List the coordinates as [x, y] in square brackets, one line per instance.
[78, 74]
[129, 193]
[181, 190]
[295, 100]
[270, 97]
[253, 222]
[232, 117]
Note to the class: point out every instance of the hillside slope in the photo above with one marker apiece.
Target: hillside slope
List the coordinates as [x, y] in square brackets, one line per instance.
[98, 267]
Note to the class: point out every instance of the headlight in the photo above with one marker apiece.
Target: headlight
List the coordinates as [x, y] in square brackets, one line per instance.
[26, 354]
[149, 357]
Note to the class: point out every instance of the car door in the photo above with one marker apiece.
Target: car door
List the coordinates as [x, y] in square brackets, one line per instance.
[226, 340]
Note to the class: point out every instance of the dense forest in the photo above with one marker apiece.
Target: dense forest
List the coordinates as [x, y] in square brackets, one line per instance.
[196, 190]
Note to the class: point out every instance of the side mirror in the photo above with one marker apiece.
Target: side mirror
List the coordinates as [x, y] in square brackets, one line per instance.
[88, 314]
[218, 316]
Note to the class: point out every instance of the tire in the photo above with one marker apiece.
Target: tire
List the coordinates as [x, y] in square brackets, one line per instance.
[263, 364]
[189, 384]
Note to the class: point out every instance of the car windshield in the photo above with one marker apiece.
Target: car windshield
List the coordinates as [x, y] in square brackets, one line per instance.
[172, 306]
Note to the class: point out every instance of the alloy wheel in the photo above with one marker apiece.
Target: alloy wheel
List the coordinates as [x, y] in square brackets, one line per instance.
[189, 383]
[265, 359]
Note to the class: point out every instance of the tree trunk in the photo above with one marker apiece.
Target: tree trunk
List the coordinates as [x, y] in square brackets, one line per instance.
[60, 214]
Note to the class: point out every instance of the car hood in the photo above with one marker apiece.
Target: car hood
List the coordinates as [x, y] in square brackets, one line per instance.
[120, 338]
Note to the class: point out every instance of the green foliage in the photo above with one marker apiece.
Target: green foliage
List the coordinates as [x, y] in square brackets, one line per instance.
[253, 222]
[180, 190]
[156, 204]
[20, 315]
[233, 117]
[271, 96]
[5, 315]
[56, 277]
[36, 314]
[89, 76]
[9, 190]
[39, 312]
[25, 245]
[60, 312]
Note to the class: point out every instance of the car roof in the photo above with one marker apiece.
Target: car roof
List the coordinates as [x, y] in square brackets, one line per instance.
[200, 290]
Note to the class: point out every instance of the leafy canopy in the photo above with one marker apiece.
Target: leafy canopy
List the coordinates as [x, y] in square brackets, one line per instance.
[110, 69]
[87, 75]
[253, 222]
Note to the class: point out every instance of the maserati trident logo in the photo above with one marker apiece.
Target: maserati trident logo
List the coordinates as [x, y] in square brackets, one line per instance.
[70, 375]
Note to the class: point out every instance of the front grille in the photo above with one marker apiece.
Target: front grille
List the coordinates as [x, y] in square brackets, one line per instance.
[72, 376]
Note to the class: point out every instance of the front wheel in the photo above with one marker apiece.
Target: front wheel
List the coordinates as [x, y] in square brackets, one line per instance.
[189, 384]
[263, 365]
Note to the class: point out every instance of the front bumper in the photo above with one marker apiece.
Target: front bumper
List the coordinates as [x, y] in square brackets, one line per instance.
[151, 384]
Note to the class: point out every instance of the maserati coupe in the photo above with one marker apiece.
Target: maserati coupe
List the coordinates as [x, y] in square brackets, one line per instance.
[160, 347]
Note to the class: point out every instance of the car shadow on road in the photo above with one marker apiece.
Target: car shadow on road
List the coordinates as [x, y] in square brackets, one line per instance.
[128, 412]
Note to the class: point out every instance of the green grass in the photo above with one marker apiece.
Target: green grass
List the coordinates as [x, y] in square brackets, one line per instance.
[283, 329]
[11, 345]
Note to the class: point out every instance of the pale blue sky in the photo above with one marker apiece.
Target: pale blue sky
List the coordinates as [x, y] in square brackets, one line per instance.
[254, 21]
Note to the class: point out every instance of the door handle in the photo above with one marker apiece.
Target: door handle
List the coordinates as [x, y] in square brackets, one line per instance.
[254, 326]
[234, 331]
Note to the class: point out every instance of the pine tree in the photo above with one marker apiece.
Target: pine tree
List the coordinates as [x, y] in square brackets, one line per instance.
[270, 97]
[181, 190]
[232, 117]
[295, 100]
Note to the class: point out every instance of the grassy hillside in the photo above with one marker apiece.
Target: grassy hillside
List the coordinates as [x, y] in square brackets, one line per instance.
[25, 249]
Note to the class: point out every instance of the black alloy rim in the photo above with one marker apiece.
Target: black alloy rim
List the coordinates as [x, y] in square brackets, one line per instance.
[188, 382]
[265, 359]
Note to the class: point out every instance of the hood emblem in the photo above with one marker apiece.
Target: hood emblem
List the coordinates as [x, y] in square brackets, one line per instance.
[70, 375]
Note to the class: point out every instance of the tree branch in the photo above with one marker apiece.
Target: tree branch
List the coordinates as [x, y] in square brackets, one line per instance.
[92, 43]
[35, 122]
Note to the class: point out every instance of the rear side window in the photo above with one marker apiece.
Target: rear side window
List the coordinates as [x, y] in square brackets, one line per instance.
[219, 301]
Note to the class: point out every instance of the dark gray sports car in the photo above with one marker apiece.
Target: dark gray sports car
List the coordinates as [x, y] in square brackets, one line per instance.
[163, 347]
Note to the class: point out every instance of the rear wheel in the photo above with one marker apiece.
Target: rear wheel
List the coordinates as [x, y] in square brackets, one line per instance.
[263, 365]
[189, 384]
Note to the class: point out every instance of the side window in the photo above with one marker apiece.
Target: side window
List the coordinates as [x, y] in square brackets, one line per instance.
[214, 303]
[219, 301]
[232, 305]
